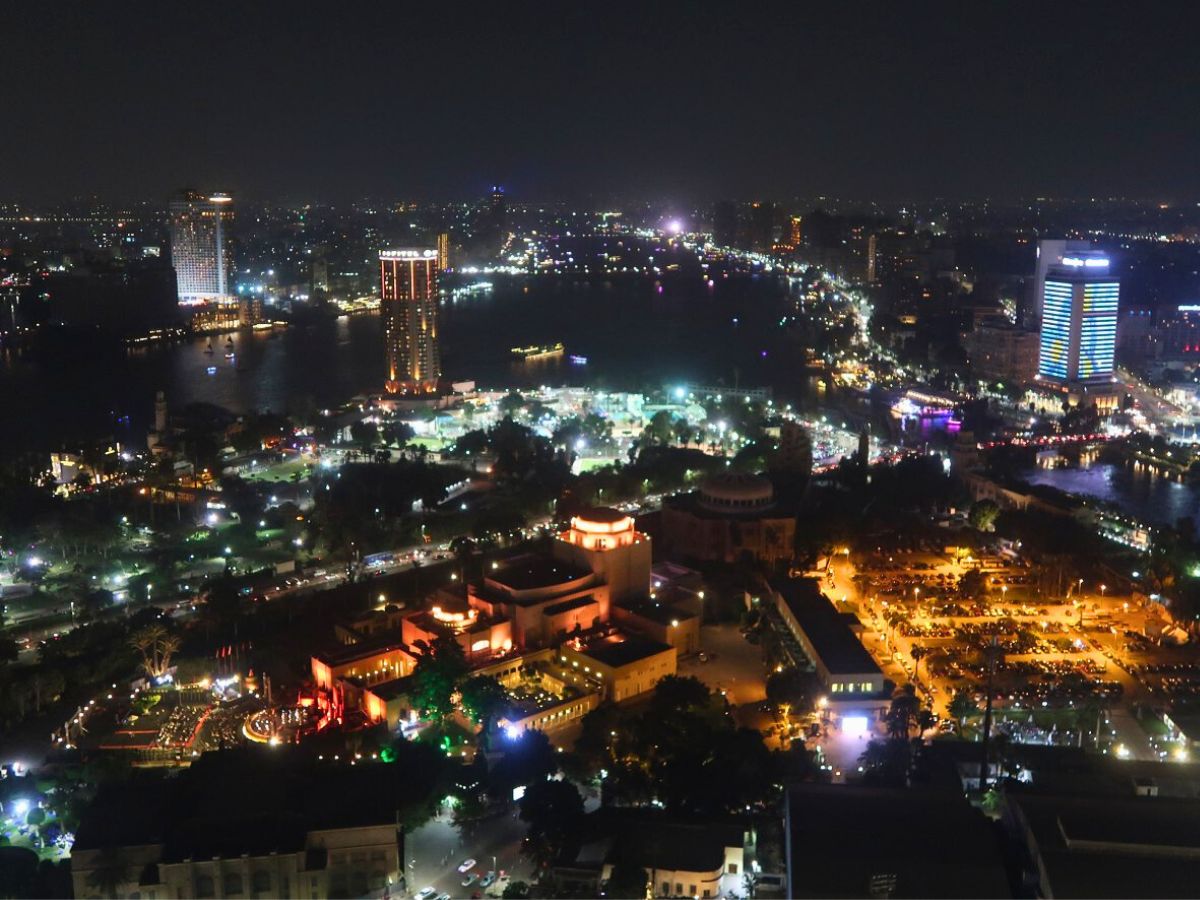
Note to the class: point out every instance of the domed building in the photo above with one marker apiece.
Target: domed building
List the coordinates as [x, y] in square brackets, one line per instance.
[732, 516]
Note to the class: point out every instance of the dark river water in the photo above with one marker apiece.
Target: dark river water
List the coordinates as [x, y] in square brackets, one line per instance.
[635, 333]
[1149, 497]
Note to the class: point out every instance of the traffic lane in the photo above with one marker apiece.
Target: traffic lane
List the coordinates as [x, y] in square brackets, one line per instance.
[438, 848]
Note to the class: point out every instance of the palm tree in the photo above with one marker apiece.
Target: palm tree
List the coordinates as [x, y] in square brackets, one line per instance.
[111, 872]
[903, 712]
[918, 653]
[145, 641]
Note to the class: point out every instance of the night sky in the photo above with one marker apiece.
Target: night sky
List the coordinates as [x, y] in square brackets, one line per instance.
[887, 101]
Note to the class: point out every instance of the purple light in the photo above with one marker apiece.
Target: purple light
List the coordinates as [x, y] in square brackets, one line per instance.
[674, 227]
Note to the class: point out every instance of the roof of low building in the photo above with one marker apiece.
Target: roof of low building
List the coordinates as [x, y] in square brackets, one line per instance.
[530, 572]
[830, 635]
[621, 650]
[848, 841]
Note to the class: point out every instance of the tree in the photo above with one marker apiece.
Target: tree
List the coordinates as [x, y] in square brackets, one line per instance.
[887, 762]
[659, 429]
[482, 698]
[676, 693]
[919, 652]
[902, 714]
[972, 585]
[963, 707]
[626, 880]
[516, 890]
[554, 812]
[112, 870]
[511, 404]
[436, 676]
[364, 433]
[156, 646]
[983, 515]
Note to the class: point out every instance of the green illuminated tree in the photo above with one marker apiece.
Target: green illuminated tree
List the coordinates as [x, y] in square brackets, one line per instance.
[440, 668]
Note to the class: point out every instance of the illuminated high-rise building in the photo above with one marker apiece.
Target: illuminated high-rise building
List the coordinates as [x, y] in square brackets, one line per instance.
[408, 291]
[1079, 323]
[443, 248]
[1050, 253]
[200, 246]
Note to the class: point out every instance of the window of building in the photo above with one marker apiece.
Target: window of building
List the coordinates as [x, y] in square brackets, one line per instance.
[678, 887]
[691, 890]
[733, 868]
[204, 886]
[666, 891]
[261, 881]
[232, 883]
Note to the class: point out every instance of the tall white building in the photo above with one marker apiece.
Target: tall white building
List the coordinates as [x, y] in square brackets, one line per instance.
[1079, 327]
[200, 246]
[1050, 253]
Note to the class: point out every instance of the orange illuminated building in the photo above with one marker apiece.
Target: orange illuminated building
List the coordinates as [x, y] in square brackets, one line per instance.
[408, 291]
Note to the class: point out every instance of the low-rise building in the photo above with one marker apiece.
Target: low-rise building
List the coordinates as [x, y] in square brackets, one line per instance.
[238, 827]
[616, 665]
[845, 841]
[844, 666]
[660, 622]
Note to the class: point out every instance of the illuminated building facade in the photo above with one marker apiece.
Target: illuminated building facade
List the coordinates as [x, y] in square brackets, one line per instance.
[200, 246]
[408, 283]
[1079, 325]
[1050, 253]
[443, 249]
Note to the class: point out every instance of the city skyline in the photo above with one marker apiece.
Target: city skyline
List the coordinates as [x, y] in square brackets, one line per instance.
[526, 451]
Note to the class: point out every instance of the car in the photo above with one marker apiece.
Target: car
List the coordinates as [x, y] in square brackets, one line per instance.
[487, 880]
[466, 865]
[426, 893]
[470, 880]
[443, 897]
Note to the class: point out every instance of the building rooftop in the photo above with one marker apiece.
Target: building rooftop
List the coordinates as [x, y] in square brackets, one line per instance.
[846, 841]
[1101, 846]
[389, 690]
[621, 650]
[829, 634]
[663, 614]
[245, 801]
[605, 515]
[527, 573]
[344, 654]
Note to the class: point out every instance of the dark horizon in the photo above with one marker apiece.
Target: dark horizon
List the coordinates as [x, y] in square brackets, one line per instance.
[866, 102]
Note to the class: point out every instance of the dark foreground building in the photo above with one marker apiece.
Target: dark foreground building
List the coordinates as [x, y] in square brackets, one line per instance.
[244, 824]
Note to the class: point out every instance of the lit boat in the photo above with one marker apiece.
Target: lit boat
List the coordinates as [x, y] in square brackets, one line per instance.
[577, 360]
[534, 351]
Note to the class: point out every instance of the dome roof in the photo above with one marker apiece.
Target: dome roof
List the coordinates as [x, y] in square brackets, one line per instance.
[602, 514]
[736, 491]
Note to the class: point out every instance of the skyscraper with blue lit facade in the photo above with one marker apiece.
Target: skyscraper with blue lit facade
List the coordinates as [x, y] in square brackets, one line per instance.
[1079, 322]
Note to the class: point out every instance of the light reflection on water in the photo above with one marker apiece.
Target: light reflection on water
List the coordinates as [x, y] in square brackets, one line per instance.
[1140, 492]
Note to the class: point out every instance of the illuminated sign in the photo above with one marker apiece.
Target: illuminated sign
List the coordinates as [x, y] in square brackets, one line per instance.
[1093, 262]
[426, 253]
